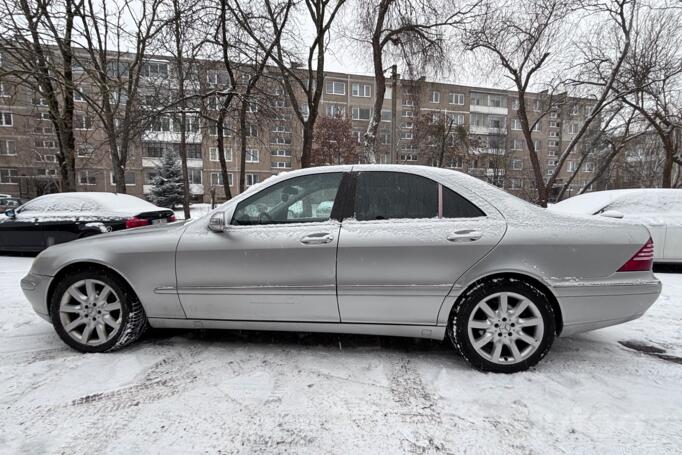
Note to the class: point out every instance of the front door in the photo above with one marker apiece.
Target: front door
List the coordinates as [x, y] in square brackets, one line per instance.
[276, 261]
[410, 239]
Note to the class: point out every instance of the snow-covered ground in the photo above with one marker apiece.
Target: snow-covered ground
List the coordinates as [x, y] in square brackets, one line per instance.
[229, 392]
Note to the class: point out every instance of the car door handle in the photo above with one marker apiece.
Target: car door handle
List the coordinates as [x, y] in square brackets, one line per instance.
[317, 239]
[465, 235]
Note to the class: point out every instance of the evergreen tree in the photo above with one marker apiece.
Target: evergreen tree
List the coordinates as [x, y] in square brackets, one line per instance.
[167, 185]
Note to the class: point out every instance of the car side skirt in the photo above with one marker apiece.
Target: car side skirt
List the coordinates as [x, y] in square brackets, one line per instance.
[414, 331]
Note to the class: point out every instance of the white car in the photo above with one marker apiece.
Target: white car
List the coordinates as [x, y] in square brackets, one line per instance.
[658, 209]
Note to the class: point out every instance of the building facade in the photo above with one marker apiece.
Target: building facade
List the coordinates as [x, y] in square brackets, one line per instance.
[494, 146]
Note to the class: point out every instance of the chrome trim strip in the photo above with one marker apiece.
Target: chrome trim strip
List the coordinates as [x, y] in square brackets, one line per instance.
[591, 284]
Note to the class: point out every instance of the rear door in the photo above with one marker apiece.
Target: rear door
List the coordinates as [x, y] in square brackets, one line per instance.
[407, 243]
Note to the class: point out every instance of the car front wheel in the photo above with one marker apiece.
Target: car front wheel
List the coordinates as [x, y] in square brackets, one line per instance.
[503, 326]
[94, 311]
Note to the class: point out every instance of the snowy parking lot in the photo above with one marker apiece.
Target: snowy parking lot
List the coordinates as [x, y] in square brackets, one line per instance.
[617, 390]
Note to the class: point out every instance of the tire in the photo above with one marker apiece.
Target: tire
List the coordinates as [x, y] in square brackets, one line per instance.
[116, 317]
[476, 329]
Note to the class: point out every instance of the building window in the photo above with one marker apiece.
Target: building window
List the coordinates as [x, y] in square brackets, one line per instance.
[384, 138]
[129, 178]
[554, 114]
[553, 143]
[515, 184]
[495, 101]
[571, 166]
[408, 102]
[77, 96]
[537, 126]
[280, 152]
[252, 155]
[251, 130]
[517, 144]
[6, 119]
[281, 129]
[517, 165]
[516, 124]
[252, 179]
[435, 96]
[515, 104]
[456, 98]
[407, 125]
[213, 154]
[335, 110]
[336, 88]
[281, 165]
[194, 176]
[213, 130]
[362, 113]
[8, 147]
[573, 128]
[536, 105]
[575, 110]
[407, 114]
[193, 151]
[537, 145]
[553, 134]
[553, 124]
[386, 115]
[87, 178]
[589, 167]
[359, 134]
[9, 176]
[408, 157]
[406, 135]
[361, 90]
[155, 69]
[82, 122]
[456, 119]
[217, 179]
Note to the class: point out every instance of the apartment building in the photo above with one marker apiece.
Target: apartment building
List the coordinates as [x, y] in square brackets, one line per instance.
[497, 154]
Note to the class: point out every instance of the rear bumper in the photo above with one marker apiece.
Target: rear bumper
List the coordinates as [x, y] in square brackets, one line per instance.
[594, 305]
[35, 289]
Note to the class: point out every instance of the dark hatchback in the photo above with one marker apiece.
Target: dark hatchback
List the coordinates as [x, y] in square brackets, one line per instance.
[58, 218]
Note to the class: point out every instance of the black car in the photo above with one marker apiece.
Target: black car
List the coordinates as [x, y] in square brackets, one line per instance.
[62, 217]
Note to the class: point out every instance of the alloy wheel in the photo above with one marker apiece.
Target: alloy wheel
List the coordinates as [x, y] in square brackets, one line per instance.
[90, 312]
[505, 328]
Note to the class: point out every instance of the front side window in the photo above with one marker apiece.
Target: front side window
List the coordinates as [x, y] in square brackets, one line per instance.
[305, 199]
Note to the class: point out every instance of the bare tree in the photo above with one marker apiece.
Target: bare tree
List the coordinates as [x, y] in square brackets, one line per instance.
[334, 142]
[523, 35]
[37, 38]
[116, 74]
[411, 31]
[307, 80]
[653, 74]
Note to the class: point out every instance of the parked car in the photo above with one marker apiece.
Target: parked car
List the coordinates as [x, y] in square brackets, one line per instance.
[9, 202]
[57, 218]
[660, 210]
[405, 251]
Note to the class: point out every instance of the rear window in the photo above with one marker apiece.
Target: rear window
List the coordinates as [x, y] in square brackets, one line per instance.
[394, 195]
[397, 195]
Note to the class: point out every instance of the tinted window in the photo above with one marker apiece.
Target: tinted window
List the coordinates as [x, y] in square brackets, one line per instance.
[390, 195]
[305, 199]
[455, 206]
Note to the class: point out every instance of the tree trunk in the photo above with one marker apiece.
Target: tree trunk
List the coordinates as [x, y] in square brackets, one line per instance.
[669, 150]
[221, 156]
[542, 191]
[307, 150]
[242, 144]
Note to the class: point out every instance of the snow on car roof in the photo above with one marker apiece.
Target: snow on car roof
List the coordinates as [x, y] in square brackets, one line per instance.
[96, 201]
[649, 199]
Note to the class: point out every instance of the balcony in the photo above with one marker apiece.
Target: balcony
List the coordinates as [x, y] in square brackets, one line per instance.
[170, 136]
[488, 109]
[487, 130]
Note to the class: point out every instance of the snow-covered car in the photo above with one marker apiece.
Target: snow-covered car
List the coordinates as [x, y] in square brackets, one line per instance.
[660, 210]
[62, 217]
[405, 251]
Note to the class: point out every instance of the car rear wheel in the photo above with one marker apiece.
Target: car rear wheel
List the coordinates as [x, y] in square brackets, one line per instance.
[93, 311]
[503, 326]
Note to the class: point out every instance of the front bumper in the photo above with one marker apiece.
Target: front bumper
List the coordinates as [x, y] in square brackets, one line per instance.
[35, 289]
[594, 305]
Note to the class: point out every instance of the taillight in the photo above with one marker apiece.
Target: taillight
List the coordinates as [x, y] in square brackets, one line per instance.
[642, 261]
[136, 222]
[171, 218]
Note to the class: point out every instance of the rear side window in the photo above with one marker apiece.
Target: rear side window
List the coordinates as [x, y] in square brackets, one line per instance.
[455, 206]
[394, 195]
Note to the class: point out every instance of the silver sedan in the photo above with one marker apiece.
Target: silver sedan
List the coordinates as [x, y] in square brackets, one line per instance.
[367, 249]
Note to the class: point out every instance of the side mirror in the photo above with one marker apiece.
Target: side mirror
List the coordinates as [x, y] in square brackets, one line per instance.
[217, 222]
[612, 214]
[9, 213]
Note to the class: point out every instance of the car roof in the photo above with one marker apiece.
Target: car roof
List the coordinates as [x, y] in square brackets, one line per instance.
[116, 202]
[593, 202]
